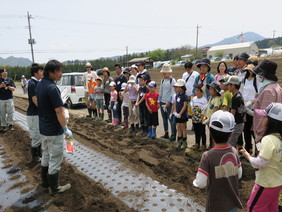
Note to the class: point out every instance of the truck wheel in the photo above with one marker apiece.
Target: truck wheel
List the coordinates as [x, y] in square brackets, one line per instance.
[69, 104]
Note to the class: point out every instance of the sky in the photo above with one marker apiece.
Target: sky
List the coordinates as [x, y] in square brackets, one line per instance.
[90, 29]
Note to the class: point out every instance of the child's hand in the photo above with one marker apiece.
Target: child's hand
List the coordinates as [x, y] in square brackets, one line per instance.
[245, 153]
[136, 104]
[158, 105]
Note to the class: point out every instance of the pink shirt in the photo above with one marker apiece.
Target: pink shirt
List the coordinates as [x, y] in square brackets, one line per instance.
[271, 93]
[219, 77]
[113, 96]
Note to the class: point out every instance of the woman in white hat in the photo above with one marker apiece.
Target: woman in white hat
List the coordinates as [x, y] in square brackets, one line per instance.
[165, 94]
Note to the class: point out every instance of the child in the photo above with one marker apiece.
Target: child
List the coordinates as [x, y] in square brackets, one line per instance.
[226, 95]
[205, 77]
[172, 116]
[238, 110]
[99, 94]
[220, 167]
[214, 104]
[268, 183]
[140, 102]
[151, 100]
[180, 113]
[123, 94]
[199, 104]
[92, 100]
[113, 103]
[132, 88]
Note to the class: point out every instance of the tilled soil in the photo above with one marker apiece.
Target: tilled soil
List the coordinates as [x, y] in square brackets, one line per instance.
[156, 158]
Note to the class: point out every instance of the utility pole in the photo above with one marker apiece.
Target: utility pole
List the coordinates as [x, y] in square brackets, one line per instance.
[30, 40]
[127, 55]
[197, 40]
[273, 41]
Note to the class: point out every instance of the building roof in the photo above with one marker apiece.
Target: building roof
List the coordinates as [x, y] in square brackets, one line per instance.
[231, 46]
[135, 60]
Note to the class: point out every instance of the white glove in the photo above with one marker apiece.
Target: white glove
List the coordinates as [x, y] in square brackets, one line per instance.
[67, 132]
[164, 108]
[177, 115]
[170, 116]
[114, 107]
[109, 107]
[134, 110]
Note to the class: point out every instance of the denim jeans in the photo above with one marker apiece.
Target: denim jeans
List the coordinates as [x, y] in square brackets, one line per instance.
[52, 152]
[116, 111]
[165, 116]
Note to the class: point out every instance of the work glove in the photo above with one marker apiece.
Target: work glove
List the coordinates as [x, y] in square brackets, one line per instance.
[67, 132]
[134, 110]
[109, 107]
[114, 107]
[170, 116]
[164, 108]
[177, 115]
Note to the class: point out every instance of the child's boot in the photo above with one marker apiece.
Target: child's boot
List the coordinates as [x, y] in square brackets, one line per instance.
[154, 129]
[132, 128]
[145, 131]
[126, 124]
[179, 142]
[150, 132]
[90, 113]
[115, 123]
[102, 116]
[184, 143]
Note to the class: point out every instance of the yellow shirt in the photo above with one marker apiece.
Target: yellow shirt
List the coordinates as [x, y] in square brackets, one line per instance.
[213, 102]
[226, 99]
[271, 149]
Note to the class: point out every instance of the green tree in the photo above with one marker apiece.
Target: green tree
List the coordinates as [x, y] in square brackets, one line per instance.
[157, 54]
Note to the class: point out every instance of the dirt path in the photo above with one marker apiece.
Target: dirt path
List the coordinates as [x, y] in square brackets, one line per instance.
[155, 158]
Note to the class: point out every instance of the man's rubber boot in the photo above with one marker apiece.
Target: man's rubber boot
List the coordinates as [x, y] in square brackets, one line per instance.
[44, 177]
[56, 189]
[149, 135]
[154, 129]
[165, 135]
[34, 154]
[184, 143]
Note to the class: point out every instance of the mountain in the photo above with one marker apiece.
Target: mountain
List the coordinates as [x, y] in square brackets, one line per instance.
[15, 61]
[246, 37]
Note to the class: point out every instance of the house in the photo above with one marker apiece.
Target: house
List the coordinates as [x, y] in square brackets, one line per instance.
[233, 49]
[147, 60]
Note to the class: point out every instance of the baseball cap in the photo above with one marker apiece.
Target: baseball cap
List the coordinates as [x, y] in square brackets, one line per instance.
[244, 56]
[112, 84]
[234, 80]
[152, 84]
[273, 110]
[222, 121]
[224, 79]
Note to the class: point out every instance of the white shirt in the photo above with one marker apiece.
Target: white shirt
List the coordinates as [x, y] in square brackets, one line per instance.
[87, 76]
[241, 75]
[200, 102]
[190, 82]
[248, 90]
[125, 101]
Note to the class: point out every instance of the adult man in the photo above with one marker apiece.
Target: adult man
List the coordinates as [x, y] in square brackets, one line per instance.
[189, 76]
[88, 75]
[52, 126]
[119, 79]
[7, 87]
[242, 62]
[269, 92]
[142, 70]
[232, 69]
[36, 72]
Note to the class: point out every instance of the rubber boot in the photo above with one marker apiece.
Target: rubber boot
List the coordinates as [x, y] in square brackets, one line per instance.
[126, 124]
[109, 120]
[34, 154]
[145, 131]
[102, 116]
[179, 142]
[53, 180]
[184, 143]
[90, 113]
[44, 177]
[132, 128]
[39, 151]
[165, 135]
[137, 128]
[95, 114]
[115, 123]
[154, 129]
[149, 135]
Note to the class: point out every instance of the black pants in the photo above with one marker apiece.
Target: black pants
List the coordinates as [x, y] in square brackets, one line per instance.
[143, 113]
[200, 133]
[125, 113]
[248, 133]
[107, 98]
[119, 109]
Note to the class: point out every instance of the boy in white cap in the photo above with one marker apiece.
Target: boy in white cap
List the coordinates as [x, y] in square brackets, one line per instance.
[165, 94]
[220, 168]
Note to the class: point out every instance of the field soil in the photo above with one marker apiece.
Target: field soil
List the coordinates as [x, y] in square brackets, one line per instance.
[156, 158]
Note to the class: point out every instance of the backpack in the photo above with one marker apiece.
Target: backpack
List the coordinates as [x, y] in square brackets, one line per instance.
[170, 80]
